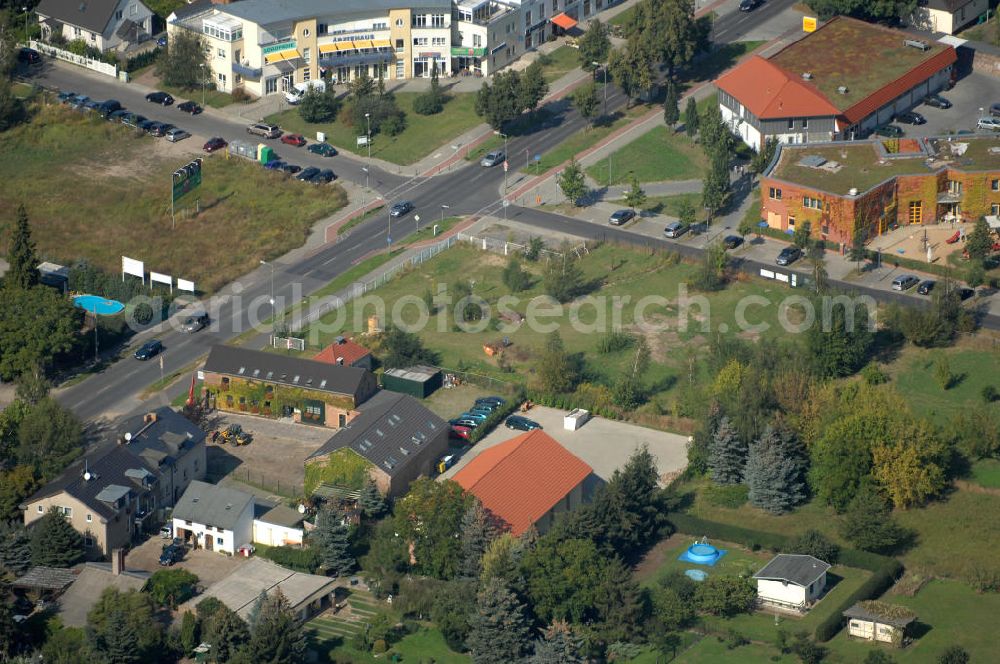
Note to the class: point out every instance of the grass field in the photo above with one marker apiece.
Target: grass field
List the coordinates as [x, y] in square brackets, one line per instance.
[986, 473]
[422, 136]
[210, 96]
[426, 231]
[710, 650]
[973, 370]
[97, 191]
[559, 62]
[671, 205]
[584, 140]
[659, 154]
[736, 561]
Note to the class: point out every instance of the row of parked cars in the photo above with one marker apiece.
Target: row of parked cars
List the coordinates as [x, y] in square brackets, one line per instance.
[905, 282]
[112, 111]
[309, 174]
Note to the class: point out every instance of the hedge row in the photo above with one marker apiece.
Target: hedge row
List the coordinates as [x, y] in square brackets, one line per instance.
[494, 418]
[884, 569]
[300, 560]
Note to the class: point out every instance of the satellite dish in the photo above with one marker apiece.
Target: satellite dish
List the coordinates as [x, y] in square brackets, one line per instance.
[128, 436]
[87, 476]
[302, 508]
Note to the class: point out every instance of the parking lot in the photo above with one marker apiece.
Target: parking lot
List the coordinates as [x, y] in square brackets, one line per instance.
[603, 444]
[208, 566]
[970, 98]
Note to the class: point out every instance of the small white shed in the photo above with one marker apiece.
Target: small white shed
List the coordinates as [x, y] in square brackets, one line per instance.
[791, 581]
[575, 419]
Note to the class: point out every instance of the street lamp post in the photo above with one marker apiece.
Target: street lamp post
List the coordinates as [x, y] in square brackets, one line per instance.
[270, 265]
[443, 208]
[204, 83]
[504, 162]
[26, 35]
[368, 143]
[604, 70]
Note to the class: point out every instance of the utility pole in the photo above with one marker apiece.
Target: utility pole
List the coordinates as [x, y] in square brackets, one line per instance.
[368, 143]
[204, 83]
[504, 163]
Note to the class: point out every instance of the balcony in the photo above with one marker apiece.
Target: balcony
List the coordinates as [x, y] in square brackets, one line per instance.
[251, 73]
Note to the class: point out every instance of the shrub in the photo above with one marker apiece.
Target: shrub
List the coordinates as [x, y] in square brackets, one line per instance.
[534, 250]
[814, 543]
[984, 580]
[241, 95]
[614, 341]
[142, 60]
[989, 394]
[726, 495]
[394, 124]
[301, 560]
[874, 375]
[428, 104]
[735, 639]
[379, 646]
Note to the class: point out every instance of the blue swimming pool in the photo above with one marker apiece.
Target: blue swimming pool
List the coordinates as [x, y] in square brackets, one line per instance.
[96, 304]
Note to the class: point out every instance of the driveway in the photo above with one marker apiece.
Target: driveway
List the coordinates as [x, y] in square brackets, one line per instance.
[208, 566]
[604, 445]
[972, 93]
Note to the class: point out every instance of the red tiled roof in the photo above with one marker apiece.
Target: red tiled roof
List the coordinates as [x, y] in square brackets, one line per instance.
[523, 478]
[887, 93]
[349, 350]
[770, 92]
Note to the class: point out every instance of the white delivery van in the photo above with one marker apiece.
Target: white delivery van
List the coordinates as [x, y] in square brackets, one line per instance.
[298, 91]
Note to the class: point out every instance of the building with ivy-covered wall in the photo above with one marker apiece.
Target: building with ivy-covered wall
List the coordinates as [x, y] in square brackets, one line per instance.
[394, 440]
[273, 385]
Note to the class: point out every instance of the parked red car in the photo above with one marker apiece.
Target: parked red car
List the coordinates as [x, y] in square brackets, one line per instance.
[298, 140]
[214, 144]
[461, 432]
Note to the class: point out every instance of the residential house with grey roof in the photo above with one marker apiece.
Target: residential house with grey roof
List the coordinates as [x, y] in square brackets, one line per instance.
[170, 443]
[791, 581]
[214, 518]
[101, 24]
[272, 385]
[109, 497]
[396, 434]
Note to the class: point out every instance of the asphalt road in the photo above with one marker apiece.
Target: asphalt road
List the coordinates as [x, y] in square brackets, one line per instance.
[468, 189]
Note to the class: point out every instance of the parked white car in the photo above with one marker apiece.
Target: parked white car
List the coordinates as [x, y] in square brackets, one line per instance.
[992, 124]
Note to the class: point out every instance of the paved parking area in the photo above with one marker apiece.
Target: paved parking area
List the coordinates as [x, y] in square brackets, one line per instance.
[604, 444]
[208, 566]
[972, 93]
[273, 460]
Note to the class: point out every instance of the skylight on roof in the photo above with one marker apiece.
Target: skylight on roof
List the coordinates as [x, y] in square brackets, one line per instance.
[296, 379]
[269, 374]
[380, 434]
[431, 425]
[256, 372]
[405, 451]
[322, 383]
[242, 369]
[309, 381]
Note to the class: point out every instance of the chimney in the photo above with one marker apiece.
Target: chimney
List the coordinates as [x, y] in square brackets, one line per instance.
[149, 418]
[117, 561]
[340, 341]
[340, 361]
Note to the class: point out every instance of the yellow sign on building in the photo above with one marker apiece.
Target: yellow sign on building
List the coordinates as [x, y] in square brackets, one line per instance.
[809, 24]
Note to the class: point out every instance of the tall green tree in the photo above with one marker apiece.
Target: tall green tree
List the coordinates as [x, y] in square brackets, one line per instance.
[478, 530]
[979, 243]
[563, 576]
[667, 33]
[671, 105]
[840, 341]
[15, 548]
[171, 587]
[631, 69]
[559, 644]
[558, 372]
[499, 629]
[533, 87]
[333, 538]
[225, 630]
[404, 349]
[189, 633]
[500, 102]
[620, 603]
[726, 595]
[515, 277]
[571, 182]
[594, 45]
[68, 645]
[185, 64]
[138, 610]
[454, 604]
[9, 632]
[631, 509]
[801, 238]
[728, 454]
[50, 437]
[372, 502]
[585, 101]
[562, 277]
[881, 11]
[16, 484]
[21, 256]
[54, 542]
[868, 523]
[430, 516]
[635, 196]
[762, 157]
[317, 106]
[775, 471]
[715, 192]
[277, 638]
[118, 642]
[691, 117]
[36, 325]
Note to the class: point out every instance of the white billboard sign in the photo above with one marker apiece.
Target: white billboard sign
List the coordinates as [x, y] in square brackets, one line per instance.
[161, 279]
[133, 267]
[185, 285]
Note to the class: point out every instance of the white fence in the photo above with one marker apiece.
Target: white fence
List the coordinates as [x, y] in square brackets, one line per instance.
[508, 248]
[83, 61]
[791, 278]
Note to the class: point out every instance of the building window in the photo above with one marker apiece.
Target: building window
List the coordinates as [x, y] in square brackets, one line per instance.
[305, 32]
[76, 32]
[995, 209]
[90, 517]
[270, 85]
[437, 41]
[791, 221]
[219, 541]
[805, 123]
[222, 80]
[399, 45]
[41, 510]
[399, 22]
[420, 41]
[774, 193]
[420, 20]
[66, 512]
[477, 41]
[916, 212]
[380, 26]
[187, 523]
[321, 28]
[812, 203]
[527, 18]
[306, 55]
[791, 123]
[119, 15]
[93, 37]
[954, 187]
[437, 20]
[221, 53]
[400, 70]
[995, 185]
[89, 542]
[306, 75]
[555, 6]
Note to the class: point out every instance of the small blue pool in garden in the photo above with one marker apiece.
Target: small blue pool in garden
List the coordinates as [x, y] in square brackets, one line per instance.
[96, 304]
[702, 553]
[696, 574]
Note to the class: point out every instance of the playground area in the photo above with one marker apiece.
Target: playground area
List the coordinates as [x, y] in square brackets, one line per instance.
[913, 241]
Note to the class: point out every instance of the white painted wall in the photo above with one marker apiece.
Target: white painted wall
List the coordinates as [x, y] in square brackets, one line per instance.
[786, 593]
[226, 540]
[272, 534]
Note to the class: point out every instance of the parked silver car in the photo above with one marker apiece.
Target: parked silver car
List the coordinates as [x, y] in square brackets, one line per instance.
[177, 134]
[675, 229]
[493, 159]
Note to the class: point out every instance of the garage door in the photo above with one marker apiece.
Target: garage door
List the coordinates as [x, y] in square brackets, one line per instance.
[774, 220]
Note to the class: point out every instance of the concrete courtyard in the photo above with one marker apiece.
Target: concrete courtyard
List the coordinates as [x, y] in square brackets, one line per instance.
[604, 445]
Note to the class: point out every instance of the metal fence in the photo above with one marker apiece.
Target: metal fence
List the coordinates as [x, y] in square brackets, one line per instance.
[509, 248]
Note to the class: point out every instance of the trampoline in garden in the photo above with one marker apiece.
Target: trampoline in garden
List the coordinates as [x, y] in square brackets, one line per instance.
[98, 305]
[702, 553]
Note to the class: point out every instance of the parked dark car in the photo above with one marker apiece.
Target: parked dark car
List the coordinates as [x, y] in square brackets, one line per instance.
[161, 40]
[937, 101]
[521, 423]
[133, 120]
[145, 124]
[78, 101]
[291, 169]
[189, 107]
[324, 176]
[911, 117]
[307, 174]
[65, 97]
[149, 350]
[964, 292]
[750, 5]
[889, 131]
[494, 400]
[464, 422]
[29, 56]
[118, 116]
[788, 256]
[732, 241]
[160, 129]
[91, 105]
[172, 553]
[476, 417]
[160, 98]
[106, 108]
[621, 217]
[995, 110]
[323, 149]
[926, 286]
[401, 208]
[274, 165]
[298, 140]
[213, 144]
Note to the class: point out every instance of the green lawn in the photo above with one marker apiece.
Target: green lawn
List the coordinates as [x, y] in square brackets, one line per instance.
[974, 370]
[356, 272]
[710, 650]
[583, 140]
[22, 90]
[950, 613]
[61, 154]
[422, 136]
[986, 473]
[659, 154]
[332, 639]
[208, 97]
[559, 62]
[984, 32]
[736, 561]
[426, 231]
[671, 205]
